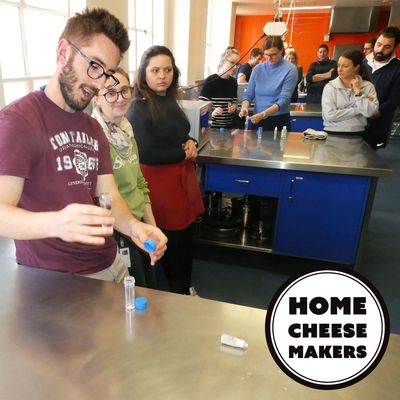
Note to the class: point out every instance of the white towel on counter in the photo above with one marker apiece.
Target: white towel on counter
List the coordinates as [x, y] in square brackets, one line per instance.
[313, 134]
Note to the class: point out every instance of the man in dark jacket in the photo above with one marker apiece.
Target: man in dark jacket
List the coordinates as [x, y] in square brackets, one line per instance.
[385, 70]
[319, 74]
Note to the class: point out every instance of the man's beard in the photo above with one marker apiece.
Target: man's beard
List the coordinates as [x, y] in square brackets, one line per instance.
[67, 81]
[378, 56]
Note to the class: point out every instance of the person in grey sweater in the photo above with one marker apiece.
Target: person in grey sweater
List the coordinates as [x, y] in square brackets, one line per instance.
[350, 99]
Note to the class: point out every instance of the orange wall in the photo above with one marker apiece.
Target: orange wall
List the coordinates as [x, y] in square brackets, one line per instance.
[308, 33]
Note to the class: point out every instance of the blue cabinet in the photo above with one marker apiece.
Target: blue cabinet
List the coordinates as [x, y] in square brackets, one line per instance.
[245, 180]
[321, 215]
[300, 123]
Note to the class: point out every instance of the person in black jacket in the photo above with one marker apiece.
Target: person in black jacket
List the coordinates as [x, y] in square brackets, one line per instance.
[319, 74]
[385, 69]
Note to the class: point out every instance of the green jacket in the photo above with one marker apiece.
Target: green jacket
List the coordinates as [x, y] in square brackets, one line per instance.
[131, 183]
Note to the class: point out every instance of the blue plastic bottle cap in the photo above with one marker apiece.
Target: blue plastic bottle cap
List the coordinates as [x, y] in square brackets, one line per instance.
[140, 303]
[222, 129]
[260, 129]
[150, 245]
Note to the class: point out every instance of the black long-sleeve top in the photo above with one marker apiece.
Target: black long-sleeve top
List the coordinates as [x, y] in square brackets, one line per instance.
[159, 141]
[315, 89]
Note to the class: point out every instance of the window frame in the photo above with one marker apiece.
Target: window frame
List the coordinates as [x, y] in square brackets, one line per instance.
[27, 78]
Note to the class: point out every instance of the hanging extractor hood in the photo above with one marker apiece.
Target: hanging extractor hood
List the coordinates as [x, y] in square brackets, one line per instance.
[354, 19]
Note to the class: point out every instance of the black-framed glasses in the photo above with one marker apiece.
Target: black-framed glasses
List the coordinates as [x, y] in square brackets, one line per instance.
[96, 71]
[233, 63]
[113, 95]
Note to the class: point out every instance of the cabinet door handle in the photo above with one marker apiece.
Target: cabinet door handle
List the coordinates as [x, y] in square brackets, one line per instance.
[291, 188]
[291, 191]
[242, 181]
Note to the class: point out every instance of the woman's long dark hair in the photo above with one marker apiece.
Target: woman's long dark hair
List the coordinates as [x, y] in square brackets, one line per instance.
[140, 88]
[356, 57]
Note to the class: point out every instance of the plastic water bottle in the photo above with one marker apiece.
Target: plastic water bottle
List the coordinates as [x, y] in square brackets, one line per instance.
[275, 132]
[129, 284]
[284, 132]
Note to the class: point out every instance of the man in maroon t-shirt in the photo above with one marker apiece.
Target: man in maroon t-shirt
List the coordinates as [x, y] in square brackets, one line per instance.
[54, 160]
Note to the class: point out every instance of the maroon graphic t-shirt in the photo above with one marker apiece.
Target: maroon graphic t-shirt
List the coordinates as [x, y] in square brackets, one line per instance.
[60, 156]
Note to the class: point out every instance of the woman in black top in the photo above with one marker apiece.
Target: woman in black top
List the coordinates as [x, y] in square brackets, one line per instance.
[167, 154]
[221, 89]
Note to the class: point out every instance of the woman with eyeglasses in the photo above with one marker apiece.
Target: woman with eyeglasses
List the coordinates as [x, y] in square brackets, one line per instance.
[271, 86]
[221, 90]
[167, 154]
[110, 108]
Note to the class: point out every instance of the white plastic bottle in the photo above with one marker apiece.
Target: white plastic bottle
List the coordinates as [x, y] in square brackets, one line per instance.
[284, 132]
[275, 132]
[129, 284]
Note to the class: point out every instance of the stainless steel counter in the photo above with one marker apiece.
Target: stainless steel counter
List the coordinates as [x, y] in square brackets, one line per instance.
[339, 155]
[305, 110]
[66, 337]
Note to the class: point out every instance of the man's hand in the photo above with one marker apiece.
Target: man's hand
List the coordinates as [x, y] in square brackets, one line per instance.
[83, 223]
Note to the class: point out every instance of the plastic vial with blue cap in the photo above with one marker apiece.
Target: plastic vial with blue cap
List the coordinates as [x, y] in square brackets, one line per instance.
[259, 130]
[129, 284]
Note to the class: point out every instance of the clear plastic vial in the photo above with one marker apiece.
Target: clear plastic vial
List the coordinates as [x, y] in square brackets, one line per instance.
[105, 200]
[129, 284]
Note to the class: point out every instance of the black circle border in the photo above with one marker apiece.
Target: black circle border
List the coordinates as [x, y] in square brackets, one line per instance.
[349, 382]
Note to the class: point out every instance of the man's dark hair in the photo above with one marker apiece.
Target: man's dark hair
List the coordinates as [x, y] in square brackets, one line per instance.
[323, 46]
[255, 52]
[391, 32]
[371, 41]
[82, 26]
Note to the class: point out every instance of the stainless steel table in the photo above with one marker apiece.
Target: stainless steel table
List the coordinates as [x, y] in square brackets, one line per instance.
[65, 337]
[336, 154]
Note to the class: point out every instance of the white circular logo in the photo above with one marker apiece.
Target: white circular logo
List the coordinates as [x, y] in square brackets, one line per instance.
[327, 329]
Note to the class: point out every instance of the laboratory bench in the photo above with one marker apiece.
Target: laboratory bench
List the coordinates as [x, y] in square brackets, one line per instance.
[313, 198]
[66, 338]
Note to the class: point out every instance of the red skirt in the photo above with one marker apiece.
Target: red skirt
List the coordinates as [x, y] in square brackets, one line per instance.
[174, 193]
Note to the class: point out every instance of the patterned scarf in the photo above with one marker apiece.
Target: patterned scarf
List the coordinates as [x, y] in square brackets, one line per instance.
[119, 136]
